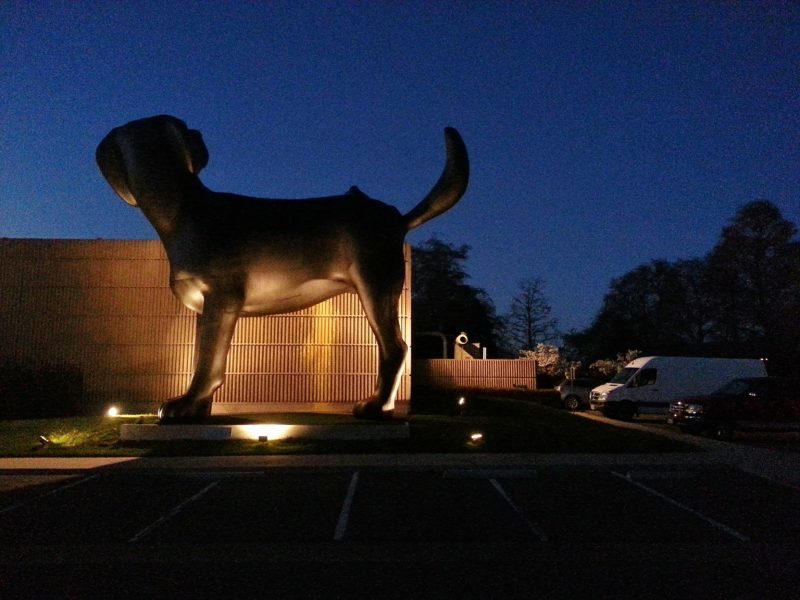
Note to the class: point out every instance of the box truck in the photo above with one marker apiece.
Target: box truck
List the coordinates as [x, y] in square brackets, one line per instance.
[649, 384]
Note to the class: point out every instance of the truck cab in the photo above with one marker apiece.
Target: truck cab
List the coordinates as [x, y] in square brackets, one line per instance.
[633, 391]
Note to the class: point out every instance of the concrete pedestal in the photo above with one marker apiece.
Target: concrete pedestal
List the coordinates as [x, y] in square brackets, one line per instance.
[131, 432]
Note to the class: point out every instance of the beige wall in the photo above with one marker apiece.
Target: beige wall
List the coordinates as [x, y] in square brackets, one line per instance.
[105, 307]
[498, 374]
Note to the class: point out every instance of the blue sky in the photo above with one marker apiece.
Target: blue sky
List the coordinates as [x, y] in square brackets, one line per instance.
[601, 135]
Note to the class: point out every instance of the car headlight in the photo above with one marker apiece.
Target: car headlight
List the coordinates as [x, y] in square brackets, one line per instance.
[694, 409]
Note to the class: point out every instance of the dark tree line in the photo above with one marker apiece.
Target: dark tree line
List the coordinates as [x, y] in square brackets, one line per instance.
[742, 299]
[444, 302]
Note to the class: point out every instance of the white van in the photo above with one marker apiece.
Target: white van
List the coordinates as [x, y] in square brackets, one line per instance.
[649, 384]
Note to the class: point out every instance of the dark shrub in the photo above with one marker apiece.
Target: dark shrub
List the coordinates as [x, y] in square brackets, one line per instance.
[33, 390]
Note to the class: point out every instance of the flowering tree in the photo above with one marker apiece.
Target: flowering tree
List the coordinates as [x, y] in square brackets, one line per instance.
[549, 360]
[609, 367]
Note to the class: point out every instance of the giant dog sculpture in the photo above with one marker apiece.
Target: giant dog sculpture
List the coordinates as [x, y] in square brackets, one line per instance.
[233, 256]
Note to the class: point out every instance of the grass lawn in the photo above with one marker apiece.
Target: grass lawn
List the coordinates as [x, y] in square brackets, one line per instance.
[506, 425]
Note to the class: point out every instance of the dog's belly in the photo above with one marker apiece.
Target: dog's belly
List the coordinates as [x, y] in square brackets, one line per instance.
[278, 297]
[264, 295]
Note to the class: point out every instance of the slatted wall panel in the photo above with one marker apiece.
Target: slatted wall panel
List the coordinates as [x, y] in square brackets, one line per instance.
[465, 374]
[106, 308]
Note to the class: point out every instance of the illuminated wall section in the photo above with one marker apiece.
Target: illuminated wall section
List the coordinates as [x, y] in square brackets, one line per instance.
[105, 307]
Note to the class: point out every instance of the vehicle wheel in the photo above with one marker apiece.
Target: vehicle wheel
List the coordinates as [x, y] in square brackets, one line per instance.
[572, 403]
[625, 411]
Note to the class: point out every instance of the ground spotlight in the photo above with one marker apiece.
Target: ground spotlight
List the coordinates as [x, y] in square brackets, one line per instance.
[461, 405]
[112, 411]
[476, 438]
[44, 440]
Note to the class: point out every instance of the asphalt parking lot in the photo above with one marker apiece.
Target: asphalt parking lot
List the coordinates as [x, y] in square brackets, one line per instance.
[481, 532]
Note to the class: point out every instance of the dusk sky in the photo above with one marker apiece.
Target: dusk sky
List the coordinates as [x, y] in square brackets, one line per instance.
[601, 135]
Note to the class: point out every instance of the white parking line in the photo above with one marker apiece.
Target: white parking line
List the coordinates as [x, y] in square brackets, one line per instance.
[689, 509]
[344, 514]
[533, 527]
[52, 492]
[501, 473]
[171, 513]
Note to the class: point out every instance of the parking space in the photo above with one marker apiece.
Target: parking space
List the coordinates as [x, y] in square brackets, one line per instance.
[598, 507]
[530, 506]
[279, 507]
[90, 509]
[429, 507]
[762, 511]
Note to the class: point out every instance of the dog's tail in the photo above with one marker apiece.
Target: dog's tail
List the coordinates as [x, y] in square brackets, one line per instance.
[451, 185]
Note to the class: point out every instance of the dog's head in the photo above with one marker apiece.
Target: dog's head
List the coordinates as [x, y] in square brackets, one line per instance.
[150, 155]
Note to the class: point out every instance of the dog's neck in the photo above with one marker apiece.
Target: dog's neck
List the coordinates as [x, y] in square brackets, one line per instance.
[166, 206]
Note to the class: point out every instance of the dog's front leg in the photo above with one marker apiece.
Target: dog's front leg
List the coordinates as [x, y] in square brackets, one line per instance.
[215, 328]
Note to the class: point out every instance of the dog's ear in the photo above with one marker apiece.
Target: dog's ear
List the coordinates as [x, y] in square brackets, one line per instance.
[197, 149]
[112, 166]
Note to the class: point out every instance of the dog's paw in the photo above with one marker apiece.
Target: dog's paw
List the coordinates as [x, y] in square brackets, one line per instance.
[371, 410]
[184, 410]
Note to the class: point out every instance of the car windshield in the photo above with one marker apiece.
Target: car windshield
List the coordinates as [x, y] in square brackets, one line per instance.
[623, 375]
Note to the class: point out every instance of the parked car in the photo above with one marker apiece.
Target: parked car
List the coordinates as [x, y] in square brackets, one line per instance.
[751, 403]
[575, 392]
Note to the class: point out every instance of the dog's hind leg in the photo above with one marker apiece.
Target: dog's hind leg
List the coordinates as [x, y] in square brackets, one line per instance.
[379, 291]
[215, 327]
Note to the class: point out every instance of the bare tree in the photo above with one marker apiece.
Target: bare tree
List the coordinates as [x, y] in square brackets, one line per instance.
[529, 322]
